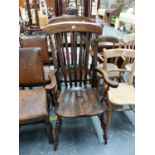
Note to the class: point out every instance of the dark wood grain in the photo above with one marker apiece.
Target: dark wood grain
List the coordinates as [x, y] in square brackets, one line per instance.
[36, 41]
[76, 68]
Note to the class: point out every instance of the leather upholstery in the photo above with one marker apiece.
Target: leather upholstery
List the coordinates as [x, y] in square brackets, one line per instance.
[32, 105]
[36, 41]
[30, 67]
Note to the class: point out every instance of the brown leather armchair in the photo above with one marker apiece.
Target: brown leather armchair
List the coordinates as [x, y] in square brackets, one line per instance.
[33, 103]
[46, 53]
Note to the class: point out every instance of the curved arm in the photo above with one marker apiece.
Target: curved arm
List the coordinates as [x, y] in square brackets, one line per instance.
[52, 78]
[104, 74]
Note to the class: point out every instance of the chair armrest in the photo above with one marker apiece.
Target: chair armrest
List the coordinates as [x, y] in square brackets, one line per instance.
[100, 57]
[104, 74]
[52, 78]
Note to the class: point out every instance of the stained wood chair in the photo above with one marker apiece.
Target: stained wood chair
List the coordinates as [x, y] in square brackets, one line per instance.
[78, 96]
[124, 93]
[33, 106]
[47, 55]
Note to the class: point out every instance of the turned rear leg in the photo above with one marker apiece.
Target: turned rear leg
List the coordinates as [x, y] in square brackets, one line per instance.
[49, 130]
[103, 125]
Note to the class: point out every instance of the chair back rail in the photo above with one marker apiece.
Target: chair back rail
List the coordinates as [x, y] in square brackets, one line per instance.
[70, 18]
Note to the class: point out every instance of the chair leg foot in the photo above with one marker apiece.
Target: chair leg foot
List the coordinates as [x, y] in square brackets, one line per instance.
[49, 130]
[103, 125]
[108, 117]
[57, 132]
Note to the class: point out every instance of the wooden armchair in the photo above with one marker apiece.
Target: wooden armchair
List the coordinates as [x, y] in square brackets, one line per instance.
[77, 97]
[33, 106]
[124, 93]
[47, 53]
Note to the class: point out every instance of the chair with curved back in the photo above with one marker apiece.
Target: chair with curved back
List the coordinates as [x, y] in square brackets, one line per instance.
[123, 95]
[77, 69]
[74, 18]
[33, 105]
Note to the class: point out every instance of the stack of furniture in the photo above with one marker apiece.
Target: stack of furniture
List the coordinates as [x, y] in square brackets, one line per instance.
[72, 81]
[126, 18]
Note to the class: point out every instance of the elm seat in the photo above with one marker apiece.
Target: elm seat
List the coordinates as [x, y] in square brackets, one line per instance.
[122, 95]
[32, 105]
[79, 101]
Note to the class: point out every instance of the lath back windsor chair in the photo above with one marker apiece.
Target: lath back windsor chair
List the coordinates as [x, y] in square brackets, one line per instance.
[124, 93]
[74, 41]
